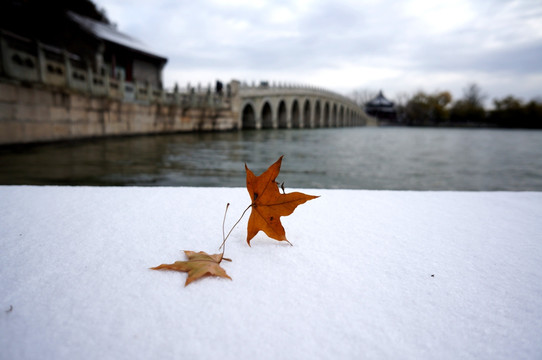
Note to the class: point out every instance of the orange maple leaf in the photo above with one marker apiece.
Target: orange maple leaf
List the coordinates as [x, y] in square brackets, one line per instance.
[198, 265]
[268, 204]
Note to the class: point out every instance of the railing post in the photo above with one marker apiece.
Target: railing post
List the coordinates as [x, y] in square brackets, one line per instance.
[42, 62]
[90, 78]
[4, 66]
[122, 81]
[193, 99]
[106, 83]
[68, 66]
[176, 97]
[209, 96]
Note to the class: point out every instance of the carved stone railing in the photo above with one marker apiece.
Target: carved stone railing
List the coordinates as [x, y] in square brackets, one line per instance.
[30, 61]
[278, 88]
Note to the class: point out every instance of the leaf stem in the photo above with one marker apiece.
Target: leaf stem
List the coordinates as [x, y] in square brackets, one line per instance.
[223, 245]
[223, 237]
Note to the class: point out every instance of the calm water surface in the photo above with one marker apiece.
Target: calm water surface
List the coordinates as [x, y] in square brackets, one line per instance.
[346, 158]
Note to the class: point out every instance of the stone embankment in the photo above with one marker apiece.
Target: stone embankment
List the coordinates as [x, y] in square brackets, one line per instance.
[49, 94]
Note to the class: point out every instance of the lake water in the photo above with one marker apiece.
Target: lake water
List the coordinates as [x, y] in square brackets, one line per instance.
[343, 158]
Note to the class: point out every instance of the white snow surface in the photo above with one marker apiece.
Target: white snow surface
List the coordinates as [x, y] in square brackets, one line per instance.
[372, 275]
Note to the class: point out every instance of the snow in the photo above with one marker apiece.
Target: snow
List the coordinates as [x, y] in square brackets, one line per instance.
[372, 274]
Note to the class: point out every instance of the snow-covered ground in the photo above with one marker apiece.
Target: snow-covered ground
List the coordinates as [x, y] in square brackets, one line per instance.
[372, 275]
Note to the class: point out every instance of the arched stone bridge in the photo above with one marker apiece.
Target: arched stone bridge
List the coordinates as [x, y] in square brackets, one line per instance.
[273, 107]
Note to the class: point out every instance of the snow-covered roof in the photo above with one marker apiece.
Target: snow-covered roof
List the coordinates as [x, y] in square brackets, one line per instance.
[380, 101]
[110, 33]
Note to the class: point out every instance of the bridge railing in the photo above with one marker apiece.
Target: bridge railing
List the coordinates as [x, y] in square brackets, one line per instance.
[29, 61]
[285, 88]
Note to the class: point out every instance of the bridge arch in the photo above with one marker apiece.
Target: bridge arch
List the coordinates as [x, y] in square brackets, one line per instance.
[249, 117]
[333, 122]
[317, 114]
[340, 120]
[296, 121]
[282, 115]
[306, 114]
[267, 116]
[326, 115]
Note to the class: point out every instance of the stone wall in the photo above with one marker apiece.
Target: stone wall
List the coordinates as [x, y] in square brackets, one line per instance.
[33, 113]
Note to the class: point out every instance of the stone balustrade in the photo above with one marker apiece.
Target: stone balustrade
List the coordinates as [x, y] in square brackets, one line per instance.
[29, 61]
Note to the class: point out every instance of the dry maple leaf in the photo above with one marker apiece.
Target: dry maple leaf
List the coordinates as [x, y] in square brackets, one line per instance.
[268, 204]
[198, 265]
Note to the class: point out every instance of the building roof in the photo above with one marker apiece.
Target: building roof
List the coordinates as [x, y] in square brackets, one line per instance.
[110, 33]
[379, 101]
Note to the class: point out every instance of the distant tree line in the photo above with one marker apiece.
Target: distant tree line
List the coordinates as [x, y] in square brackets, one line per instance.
[512, 112]
[439, 109]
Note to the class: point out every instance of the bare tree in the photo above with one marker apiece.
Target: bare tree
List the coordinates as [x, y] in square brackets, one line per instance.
[470, 108]
[474, 96]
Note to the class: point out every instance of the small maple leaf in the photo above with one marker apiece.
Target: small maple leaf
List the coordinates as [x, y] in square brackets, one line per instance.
[198, 265]
[268, 204]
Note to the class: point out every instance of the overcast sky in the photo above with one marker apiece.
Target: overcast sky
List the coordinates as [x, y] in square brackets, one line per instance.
[345, 45]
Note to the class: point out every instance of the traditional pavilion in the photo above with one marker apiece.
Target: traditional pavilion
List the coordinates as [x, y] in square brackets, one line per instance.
[119, 53]
[86, 34]
[381, 108]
